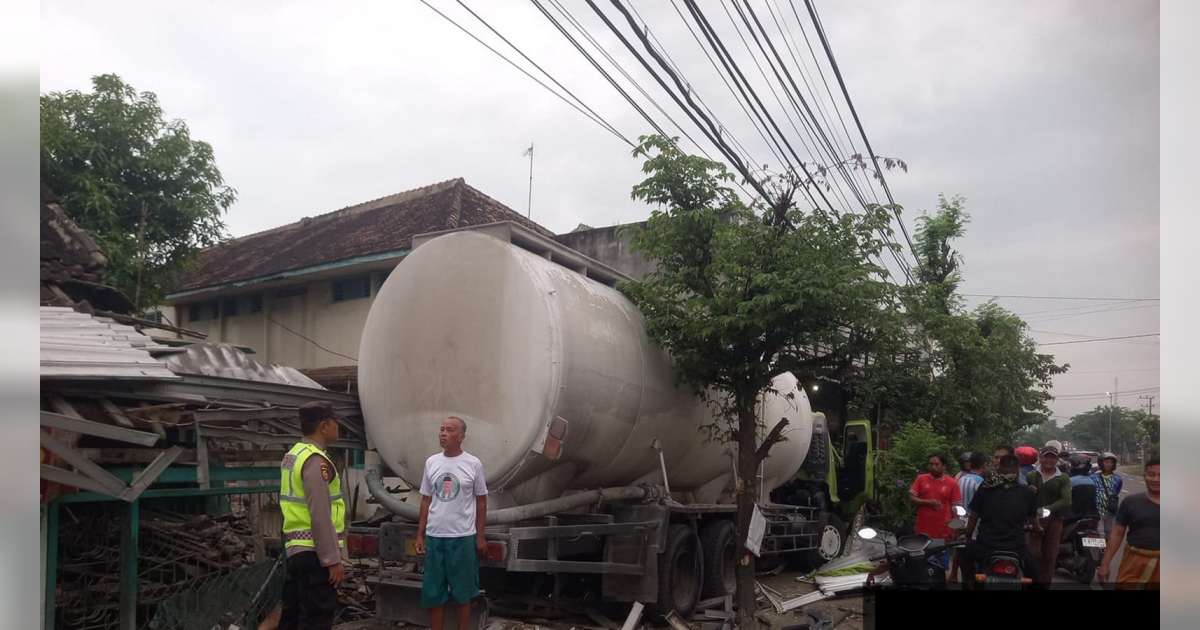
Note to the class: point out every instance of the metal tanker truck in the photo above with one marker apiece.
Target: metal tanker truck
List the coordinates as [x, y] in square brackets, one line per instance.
[600, 469]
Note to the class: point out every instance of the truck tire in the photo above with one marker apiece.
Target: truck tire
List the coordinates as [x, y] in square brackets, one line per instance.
[718, 541]
[831, 539]
[680, 571]
[818, 456]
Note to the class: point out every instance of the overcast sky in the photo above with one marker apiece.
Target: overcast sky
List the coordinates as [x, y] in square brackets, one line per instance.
[1043, 115]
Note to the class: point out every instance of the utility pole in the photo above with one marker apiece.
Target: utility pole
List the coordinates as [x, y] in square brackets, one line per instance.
[1149, 404]
[529, 201]
[1111, 396]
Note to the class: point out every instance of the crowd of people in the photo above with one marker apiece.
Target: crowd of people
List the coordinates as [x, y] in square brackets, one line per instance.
[1019, 501]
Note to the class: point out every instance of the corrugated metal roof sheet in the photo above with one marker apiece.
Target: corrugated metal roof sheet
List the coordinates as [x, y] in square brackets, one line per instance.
[227, 360]
[76, 345]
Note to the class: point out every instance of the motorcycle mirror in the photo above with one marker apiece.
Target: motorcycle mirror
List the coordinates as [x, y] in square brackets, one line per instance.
[960, 510]
[867, 533]
[1045, 513]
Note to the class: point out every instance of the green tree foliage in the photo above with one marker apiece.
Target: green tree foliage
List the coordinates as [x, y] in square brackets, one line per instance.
[1132, 430]
[150, 194]
[1039, 434]
[975, 375]
[741, 293]
[899, 466]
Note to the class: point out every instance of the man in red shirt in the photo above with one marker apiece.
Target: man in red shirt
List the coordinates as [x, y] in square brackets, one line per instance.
[935, 494]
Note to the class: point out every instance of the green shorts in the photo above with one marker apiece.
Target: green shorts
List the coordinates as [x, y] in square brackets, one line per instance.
[451, 571]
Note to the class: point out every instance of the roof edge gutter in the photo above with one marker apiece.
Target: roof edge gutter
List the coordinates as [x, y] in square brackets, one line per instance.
[292, 273]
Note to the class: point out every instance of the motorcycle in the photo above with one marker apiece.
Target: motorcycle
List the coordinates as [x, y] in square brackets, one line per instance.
[915, 562]
[1081, 548]
[1002, 571]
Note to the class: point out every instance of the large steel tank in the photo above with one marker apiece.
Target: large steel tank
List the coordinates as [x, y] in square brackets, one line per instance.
[527, 351]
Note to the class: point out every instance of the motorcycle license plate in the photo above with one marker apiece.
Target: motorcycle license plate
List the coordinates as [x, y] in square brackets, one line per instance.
[1093, 542]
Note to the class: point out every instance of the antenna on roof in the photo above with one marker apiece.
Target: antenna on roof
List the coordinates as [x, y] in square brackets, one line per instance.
[529, 201]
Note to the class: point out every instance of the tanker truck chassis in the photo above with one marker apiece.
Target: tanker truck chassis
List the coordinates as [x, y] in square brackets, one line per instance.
[664, 554]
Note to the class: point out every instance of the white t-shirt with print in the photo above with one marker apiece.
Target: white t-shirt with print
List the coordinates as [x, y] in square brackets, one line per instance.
[452, 483]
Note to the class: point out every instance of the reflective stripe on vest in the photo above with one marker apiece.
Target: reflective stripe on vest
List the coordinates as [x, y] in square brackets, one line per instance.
[297, 522]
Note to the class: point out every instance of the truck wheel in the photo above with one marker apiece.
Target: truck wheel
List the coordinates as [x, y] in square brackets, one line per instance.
[680, 567]
[717, 539]
[830, 540]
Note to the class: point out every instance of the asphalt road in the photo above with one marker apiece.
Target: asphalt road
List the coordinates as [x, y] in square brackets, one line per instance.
[1131, 484]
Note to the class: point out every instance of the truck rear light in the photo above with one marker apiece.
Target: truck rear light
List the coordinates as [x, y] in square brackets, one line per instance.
[362, 545]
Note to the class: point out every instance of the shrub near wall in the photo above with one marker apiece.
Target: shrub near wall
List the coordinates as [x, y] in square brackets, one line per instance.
[910, 450]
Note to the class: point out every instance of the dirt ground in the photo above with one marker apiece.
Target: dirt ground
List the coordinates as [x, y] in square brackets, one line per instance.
[845, 611]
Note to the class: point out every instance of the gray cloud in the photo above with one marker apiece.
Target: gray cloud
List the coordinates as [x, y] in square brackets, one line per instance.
[1043, 115]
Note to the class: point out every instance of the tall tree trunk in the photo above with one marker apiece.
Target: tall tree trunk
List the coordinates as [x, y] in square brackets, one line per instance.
[747, 495]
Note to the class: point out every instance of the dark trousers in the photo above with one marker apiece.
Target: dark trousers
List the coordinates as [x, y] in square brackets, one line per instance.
[1045, 547]
[974, 555]
[309, 600]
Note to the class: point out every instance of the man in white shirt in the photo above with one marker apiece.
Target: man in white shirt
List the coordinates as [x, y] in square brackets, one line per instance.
[450, 531]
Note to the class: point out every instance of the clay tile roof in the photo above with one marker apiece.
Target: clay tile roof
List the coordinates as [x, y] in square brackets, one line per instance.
[383, 225]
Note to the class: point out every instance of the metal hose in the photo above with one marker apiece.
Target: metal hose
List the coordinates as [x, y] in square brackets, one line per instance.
[411, 511]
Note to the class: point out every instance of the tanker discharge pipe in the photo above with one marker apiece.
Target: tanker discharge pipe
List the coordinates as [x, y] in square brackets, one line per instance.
[507, 516]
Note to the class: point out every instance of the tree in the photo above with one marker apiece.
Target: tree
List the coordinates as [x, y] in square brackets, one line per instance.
[742, 293]
[1090, 430]
[1039, 434]
[150, 194]
[976, 375]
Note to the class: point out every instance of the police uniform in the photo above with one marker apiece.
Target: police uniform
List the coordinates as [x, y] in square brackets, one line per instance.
[314, 523]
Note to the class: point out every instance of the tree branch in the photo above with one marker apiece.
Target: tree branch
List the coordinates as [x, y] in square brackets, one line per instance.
[773, 438]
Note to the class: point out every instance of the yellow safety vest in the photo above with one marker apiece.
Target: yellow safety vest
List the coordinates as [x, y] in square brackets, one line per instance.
[297, 522]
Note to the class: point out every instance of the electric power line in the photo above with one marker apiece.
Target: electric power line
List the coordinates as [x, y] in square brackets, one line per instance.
[1060, 343]
[1059, 297]
[812, 11]
[597, 119]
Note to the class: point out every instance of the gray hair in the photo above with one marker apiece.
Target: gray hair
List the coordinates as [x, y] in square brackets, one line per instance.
[460, 421]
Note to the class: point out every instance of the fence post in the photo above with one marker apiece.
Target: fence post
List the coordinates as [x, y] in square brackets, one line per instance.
[129, 568]
[51, 569]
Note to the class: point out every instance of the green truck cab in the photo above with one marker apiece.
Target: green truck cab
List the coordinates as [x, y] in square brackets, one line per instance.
[837, 482]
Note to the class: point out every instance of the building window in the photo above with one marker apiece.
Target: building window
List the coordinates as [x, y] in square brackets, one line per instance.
[242, 305]
[202, 311]
[351, 288]
[287, 292]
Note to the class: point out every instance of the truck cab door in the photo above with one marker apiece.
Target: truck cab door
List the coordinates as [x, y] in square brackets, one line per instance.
[857, 470]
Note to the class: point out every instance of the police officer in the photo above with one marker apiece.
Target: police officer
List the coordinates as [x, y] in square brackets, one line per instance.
[314, 522]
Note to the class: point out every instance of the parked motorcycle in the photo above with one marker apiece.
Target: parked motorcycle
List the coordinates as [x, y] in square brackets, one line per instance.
[915, 562]
[1081, 548]
[1002, 570]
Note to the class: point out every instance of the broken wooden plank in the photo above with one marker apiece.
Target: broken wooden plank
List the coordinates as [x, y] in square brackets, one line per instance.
[84, 465]
[115, 413]
[63, 407]
[201, 459]
[98, 429]
[73, 479]
[147, 477]
[635, 615]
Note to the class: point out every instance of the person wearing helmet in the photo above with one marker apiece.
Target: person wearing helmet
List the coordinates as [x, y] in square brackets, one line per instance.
[1083, 487]
[1028, 456]
[964, 465]
[1108, 490]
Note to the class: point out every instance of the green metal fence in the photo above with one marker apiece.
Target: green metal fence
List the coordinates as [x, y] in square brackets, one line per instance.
[241, 599]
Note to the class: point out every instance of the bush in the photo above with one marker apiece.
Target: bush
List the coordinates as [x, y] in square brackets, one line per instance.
[899, 466]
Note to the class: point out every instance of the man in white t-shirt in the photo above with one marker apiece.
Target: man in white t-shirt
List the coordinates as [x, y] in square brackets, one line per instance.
[450, 532]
